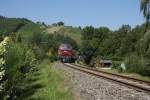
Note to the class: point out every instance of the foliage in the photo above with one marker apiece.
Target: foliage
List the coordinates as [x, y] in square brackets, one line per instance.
[137, 64]
[30, 34]
[20, 58]
[52, 57]
[39, 53]
[91, 41]
[72, 32]
[8, 25]
[145, 5]
[144, 46]
[3, 46]
[29, 46]
[49, 85]
[60, 23]
[117, 45]
[59, 39]
[115, 64]
[19, 61]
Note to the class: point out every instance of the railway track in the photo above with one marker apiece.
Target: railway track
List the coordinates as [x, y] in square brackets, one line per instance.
[139, 85]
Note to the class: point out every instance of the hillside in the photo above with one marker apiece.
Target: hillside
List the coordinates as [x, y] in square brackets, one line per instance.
[72, 32]
[8, 25]
[53, 29]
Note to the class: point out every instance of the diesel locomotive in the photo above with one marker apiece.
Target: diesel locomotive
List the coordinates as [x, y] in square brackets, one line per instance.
[65, 53]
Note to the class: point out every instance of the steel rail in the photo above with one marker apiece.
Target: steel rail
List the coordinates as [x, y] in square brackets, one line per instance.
[122, 76]
[111, 76]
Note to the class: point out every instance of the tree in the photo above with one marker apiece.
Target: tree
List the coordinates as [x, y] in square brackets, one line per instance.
[145, 47]
[60, 23]
[92, 39]
[145, 8]
[88, 33]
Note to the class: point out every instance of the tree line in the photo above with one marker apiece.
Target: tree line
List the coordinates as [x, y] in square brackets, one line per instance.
[128, 45]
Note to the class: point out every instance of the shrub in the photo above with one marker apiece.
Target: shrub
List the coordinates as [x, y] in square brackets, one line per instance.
[137, 64]
[52, 57]
[19, 61]
[120, 69]
[115, 65]
[60, 23]
[39, 53]
[117, 58]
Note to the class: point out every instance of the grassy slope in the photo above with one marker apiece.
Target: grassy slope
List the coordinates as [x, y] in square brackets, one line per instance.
[11, 24]
[49, 84]
[28, 31]
[30, 28]
[72, 32]
[53, 29]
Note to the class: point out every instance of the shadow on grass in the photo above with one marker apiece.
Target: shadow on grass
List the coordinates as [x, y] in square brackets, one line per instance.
[37, 74]
[29, 91]
[32, 80]
[36, 99]
[31, 87]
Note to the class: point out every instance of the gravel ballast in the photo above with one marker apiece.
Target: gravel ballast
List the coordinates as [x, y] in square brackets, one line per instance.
[87, 87]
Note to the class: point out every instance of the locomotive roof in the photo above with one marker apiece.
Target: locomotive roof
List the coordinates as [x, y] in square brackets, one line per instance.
[65, 46]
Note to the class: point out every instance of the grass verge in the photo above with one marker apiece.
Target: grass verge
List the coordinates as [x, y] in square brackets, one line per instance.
[133, 75]
[48, 84]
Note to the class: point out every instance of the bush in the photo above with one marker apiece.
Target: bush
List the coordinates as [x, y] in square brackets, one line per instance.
[39, 53]
[137, 64]
[52, 57]
[120, 69]
[115, 65]
[20, 60]
[117, 58]
[60, 23]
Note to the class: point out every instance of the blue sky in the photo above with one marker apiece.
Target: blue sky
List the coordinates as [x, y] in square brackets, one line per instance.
[110, 13]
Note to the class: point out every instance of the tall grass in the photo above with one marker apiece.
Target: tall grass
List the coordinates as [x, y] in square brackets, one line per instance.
[52, 84]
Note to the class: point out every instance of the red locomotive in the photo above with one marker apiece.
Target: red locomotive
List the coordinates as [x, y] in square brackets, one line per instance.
[65, 53]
